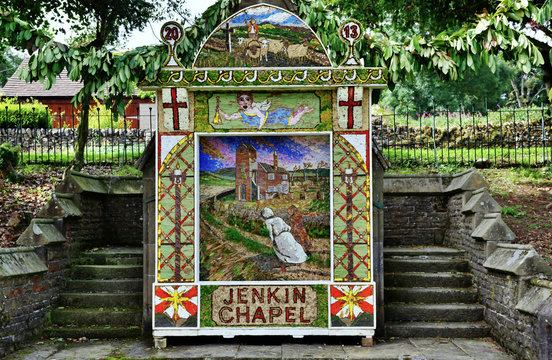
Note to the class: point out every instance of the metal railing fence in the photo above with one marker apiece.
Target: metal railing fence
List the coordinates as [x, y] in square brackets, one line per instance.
[502, 138]
[110, 140]
[505, 137]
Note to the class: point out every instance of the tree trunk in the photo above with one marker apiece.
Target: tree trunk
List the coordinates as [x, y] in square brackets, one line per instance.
[547, 75]
[82, 134]
[516, 92]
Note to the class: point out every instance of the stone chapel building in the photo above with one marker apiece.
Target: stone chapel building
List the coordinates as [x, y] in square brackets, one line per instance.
[256, 180]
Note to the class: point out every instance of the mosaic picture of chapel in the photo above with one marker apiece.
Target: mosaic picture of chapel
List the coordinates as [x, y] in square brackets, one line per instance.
[256, 180]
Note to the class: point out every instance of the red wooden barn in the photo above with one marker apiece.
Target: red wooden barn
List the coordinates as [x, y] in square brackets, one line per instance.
[58, 100]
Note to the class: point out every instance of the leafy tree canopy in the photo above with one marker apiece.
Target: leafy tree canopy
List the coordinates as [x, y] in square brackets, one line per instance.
[471, 36]
[9, 61]
[456, 37]
[414, 17]
[96, 25]
[481, 91]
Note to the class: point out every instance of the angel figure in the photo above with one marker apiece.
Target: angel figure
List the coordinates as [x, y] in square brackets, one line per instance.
[257, 114]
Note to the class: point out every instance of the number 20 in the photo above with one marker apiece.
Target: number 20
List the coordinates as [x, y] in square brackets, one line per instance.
[171, 33]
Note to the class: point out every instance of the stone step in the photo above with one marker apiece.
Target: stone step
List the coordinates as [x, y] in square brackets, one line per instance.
[423, 251]
[424, 265]
[429, 295]
[437, 329]
[398, 238]
[111, 256]
[97, 316]
[80, 300]
[433, 312]
[113, 285]
[92, 332]
[88, 272]
[443, 279]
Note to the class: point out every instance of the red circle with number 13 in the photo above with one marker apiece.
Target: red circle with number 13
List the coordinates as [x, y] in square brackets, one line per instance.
[350, 31]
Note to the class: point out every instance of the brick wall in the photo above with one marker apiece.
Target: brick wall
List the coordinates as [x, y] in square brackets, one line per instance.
[122, 220]
[28, 289]
[415, 210]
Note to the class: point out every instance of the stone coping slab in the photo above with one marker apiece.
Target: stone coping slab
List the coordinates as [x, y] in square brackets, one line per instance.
[60, 206]
[76, 182]
[481, 202]
[20, 261]
[521, 260]
[41, 232]
[468, 180]
[415, 184]
[493, 228]
[315, 348]
[533, 300]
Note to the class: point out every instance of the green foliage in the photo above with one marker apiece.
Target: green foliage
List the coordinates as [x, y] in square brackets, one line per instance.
[454, 41]
[320, 205]
[33, 114]
[9, 61]
[88, 60]
[473, 92]
[235, 236]
[207, 216]
[318, 230]
[252, 226]
[103, 118]
[514, 211]
[9, 157]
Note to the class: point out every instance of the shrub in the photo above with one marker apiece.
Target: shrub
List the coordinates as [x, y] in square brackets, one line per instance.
[106, 118]
[9, 158]
[34, 115]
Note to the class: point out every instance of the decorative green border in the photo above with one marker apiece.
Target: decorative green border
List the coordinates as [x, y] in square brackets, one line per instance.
[271, 77]
[202, 124]
[206, 304]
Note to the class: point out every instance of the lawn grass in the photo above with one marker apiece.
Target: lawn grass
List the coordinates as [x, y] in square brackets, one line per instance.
[464, 157]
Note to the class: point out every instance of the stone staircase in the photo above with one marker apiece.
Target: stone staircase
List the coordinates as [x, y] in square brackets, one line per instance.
[103, 297]
[428, 293]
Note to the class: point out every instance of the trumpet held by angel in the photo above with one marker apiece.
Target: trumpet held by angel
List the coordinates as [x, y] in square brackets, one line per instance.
[259, 115]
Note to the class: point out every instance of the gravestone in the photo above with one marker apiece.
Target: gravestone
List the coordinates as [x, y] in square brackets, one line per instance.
[264, 183]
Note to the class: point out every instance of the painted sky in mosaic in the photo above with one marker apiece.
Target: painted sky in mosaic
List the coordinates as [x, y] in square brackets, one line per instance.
[264, 14]
[220, 152]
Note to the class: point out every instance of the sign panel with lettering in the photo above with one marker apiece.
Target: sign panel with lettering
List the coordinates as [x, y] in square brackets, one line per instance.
[278, 305]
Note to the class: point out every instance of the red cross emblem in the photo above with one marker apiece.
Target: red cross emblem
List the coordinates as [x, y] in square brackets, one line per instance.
[350, 103]
[175, 105]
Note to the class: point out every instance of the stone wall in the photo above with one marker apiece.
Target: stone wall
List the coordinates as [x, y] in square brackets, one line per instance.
[508, 277]
[127, 210]
[84, 212]
[65, 138]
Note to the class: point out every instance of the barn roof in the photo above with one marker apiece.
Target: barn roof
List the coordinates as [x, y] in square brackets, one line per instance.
[63, 87]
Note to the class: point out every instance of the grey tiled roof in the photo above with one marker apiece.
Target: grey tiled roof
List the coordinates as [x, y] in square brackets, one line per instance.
[63, 87]
[270, 168]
